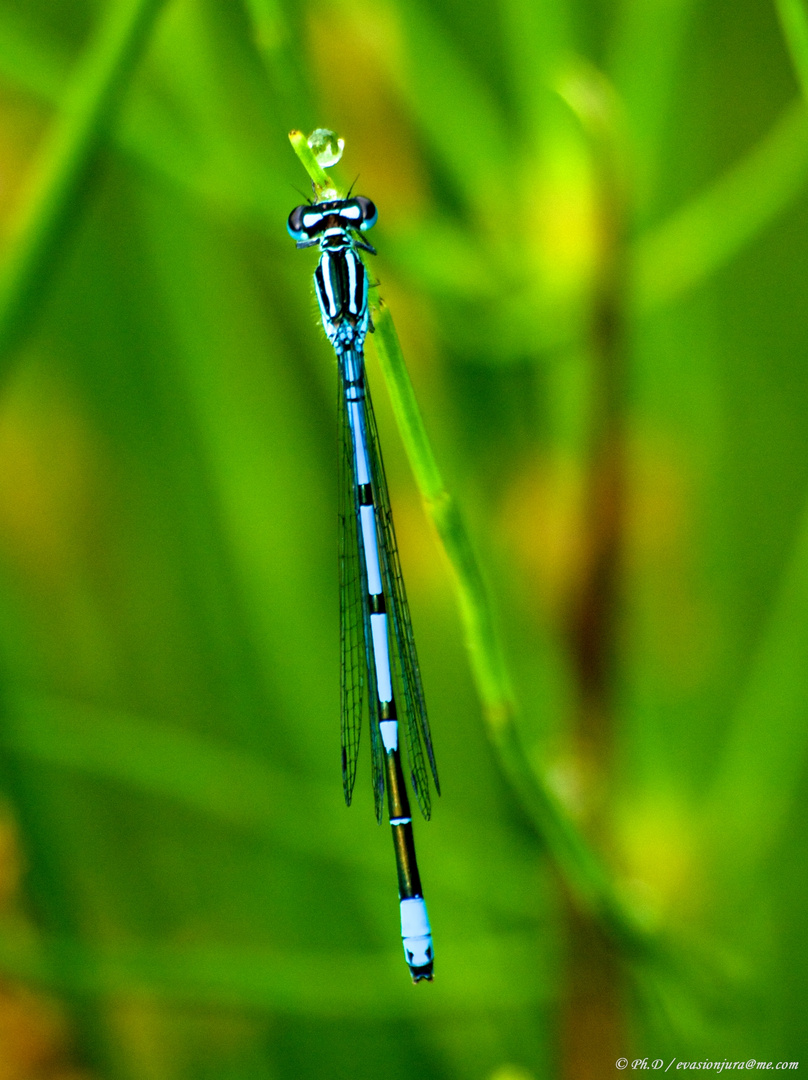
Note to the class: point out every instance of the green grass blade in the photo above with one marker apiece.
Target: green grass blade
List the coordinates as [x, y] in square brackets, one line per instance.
[482, 639]
[768, 740]
[156, 759]
[647, 48]
[319, 177]
[471, 140]
[62, 166]
[353, 985]
[794, 23]
[538, 37]
[704, 235]
[40, 69]
[233, 179]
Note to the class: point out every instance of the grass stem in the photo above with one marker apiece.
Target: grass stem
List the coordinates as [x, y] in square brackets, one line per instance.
[319, 177]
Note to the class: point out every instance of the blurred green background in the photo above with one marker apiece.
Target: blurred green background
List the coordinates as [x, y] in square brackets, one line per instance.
[592, 236]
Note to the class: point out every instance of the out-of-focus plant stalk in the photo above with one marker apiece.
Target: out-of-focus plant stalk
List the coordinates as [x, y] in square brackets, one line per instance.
[794, 24]
[705, 233]
[594, 970]
[63, 164]
[59, 174]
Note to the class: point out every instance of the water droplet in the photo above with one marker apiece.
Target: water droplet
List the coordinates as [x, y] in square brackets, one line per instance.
[326, 146]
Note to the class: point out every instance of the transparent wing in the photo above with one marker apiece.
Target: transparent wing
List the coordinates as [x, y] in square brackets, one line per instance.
[355, 637]
[404, 658]
[352, 644]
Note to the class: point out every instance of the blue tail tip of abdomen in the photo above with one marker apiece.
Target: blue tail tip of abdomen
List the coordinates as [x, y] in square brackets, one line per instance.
[416, 936]
[420, 974]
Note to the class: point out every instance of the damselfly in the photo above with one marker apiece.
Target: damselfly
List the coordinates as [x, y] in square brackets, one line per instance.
[378, 647]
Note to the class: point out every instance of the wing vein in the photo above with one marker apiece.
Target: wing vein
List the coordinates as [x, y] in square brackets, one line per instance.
[406, 669]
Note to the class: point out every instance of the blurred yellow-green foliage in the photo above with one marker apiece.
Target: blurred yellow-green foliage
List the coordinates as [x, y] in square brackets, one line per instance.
[592, 235]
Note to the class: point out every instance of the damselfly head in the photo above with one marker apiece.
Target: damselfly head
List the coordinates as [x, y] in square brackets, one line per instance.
[309, 221]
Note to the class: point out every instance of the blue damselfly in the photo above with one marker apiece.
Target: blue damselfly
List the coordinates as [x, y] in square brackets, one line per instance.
[378, 647]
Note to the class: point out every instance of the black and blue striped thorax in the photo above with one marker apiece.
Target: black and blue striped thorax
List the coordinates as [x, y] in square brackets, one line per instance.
[340, 278]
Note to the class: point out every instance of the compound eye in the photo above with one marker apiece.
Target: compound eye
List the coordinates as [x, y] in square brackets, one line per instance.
[295, 223]
[370, 214]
